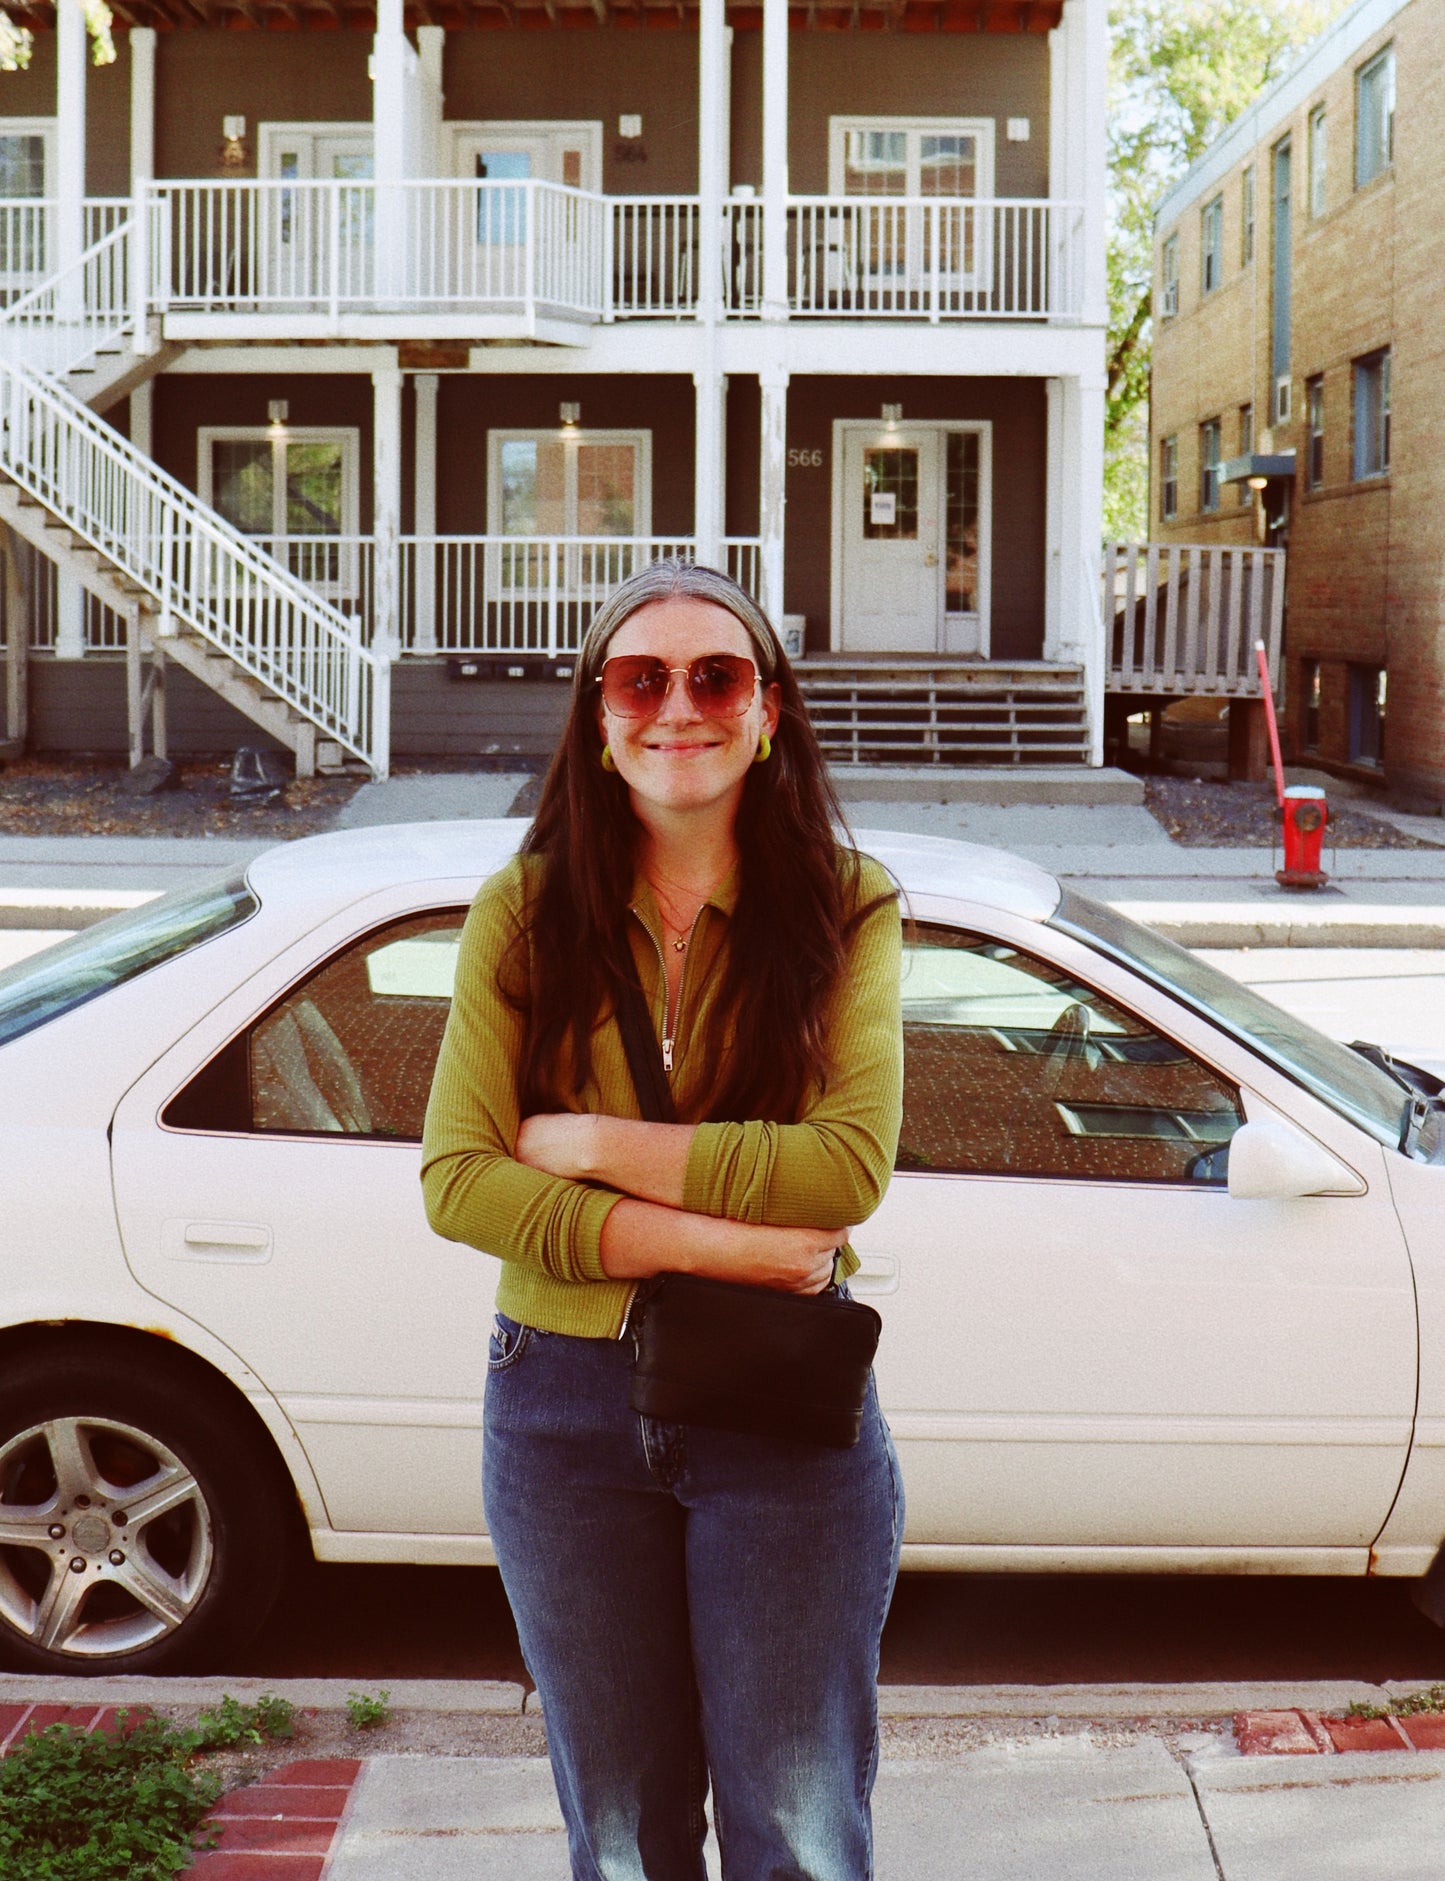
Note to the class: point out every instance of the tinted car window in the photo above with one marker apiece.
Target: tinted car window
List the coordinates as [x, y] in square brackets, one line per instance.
[348, 1052]
[1013, 1068]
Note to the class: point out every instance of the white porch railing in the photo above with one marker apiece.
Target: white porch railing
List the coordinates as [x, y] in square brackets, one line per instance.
[29, 237]
[654, 256]
[199, 572]
[933, 258]
[535, 594]
[64, 321]
[1185, 618]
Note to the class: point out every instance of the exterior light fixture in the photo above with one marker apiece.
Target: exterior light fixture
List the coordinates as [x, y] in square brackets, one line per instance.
[233, 144]
[569, 412]
[1257, 483]
[891, 415]
[276, 413]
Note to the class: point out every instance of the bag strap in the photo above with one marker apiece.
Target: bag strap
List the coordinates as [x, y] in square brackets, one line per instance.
[644, 1055]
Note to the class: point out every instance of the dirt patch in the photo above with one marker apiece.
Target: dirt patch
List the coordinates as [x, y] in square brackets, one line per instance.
[1244, 816]
[68, 797]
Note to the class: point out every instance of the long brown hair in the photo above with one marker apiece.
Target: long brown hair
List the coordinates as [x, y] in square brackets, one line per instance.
[797, 906]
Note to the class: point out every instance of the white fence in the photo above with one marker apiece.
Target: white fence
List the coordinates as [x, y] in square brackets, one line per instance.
[64, 321]
[1185, 618]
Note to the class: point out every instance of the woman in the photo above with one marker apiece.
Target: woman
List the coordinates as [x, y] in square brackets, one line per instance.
[695, 1605]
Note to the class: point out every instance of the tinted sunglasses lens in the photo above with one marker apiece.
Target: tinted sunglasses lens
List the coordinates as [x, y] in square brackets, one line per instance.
[634, 687]
[722, 684]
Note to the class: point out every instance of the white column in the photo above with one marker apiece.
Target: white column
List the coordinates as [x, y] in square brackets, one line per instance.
[68, 187]
[394, 108]
[1079, 85]
[1053, 515]
[424, 575]
[430, 44]
[775, 159]
[69, 615]
[1080, 532]
[710, 131]
[773, 487]
[709, 474]
[386, 510]
[141, 406]
[142, 171]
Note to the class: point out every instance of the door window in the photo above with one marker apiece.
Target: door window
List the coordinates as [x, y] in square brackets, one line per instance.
[890, 495]
[294, 489]
[937, 157]
[961, 509]
[349, 1052]
[1013, 1068]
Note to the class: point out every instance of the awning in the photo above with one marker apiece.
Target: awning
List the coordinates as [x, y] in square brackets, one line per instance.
[1278, 464]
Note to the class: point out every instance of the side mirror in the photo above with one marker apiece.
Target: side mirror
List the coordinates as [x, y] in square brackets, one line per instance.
[1272, 1161]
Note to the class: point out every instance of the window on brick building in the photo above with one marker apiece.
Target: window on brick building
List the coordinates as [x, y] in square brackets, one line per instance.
[1368, 686]
[1314, 433]
[1317, 161]
[1169, 478]
[1211, 245]
[1169, 277]
[1242, 492]
[1209, 464]
[1310, 697]
[1246, 216]
[1014, 1068]
[1372, 414]
[1374, 117]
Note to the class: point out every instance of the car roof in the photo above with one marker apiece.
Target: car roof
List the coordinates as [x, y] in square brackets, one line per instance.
[345, 865]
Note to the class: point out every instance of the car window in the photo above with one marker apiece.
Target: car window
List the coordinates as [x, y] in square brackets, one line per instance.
[1011, 1067]
[348, 1052]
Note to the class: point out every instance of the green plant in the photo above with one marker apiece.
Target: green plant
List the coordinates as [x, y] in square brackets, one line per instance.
[102, 1805]
[1431, 1699]
[233, 1723]
[365, 1711]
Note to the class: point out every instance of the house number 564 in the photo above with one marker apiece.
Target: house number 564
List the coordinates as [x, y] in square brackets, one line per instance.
[805, 460]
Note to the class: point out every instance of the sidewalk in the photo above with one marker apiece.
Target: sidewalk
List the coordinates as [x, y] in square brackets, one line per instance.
[1123, 1783]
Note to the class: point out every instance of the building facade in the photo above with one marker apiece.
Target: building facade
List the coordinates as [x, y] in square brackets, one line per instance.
[454, 324]
[1297, 343]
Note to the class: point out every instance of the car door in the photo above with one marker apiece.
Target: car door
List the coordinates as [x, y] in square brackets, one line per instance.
[1088, 1343]
[266, 1176]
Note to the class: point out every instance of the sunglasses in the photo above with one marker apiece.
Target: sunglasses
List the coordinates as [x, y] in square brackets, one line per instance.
[720, 685]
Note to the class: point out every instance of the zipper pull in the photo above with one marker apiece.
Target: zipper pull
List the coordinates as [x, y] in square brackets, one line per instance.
[667, 1056]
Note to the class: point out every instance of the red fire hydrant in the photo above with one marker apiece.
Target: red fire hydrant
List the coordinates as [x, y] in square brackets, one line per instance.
[1305, 815]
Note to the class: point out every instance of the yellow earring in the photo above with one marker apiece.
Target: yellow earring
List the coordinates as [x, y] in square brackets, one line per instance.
[608, 761]
[765, 749]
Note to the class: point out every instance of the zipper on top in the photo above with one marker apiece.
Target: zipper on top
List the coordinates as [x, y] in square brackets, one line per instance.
[671, 1011]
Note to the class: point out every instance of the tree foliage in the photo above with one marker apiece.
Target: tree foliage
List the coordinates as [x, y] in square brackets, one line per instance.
[1180, 71]
[18, 42]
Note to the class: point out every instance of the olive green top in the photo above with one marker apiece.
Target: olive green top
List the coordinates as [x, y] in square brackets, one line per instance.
[831, 1166]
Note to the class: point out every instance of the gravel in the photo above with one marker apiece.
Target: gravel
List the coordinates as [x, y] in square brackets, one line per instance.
[94, 797]
[1228, 816]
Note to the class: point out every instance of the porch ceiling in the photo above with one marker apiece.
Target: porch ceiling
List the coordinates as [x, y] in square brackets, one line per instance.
[290, 16]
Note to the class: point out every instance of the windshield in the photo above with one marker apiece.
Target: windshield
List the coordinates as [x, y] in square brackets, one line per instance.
[89, 963]
[1332, 1072]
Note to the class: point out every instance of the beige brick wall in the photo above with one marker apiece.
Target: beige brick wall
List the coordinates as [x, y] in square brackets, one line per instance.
[1366, 559]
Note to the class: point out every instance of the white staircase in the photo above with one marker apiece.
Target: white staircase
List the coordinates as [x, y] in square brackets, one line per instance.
[193, 589]
[947, 712]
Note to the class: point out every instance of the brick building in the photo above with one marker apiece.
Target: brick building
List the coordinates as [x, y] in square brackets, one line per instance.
[1298, 272]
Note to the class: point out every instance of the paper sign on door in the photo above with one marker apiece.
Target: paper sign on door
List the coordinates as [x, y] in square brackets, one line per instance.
[883, 509]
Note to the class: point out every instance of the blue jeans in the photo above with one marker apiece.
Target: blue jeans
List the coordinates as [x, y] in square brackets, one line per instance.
[694, 1606]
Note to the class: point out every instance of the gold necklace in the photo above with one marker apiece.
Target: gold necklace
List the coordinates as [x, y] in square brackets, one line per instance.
[670, 923]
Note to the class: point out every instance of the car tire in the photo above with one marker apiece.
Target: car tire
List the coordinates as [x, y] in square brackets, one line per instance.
[145, 1526]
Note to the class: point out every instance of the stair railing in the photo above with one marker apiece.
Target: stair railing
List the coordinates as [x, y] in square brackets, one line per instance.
[198, 570]
[63, 322]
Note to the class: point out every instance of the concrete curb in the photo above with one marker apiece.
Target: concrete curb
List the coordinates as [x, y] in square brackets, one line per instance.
[503, 1698]
[1233, 924]
[1057, 784]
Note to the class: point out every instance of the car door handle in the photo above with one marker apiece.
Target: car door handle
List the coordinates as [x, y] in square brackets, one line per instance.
[877, 1273]
[219, 1241]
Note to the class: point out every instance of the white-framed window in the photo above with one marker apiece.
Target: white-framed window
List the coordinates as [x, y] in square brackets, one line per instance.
[1315, 433]
[1318, 151]
[319, 151]
[569, 482]
[295, 489]
[1372, 414]
[1211, 245]
[1209, 464]
[512, 150]
[1169, 277]
[1169, 478]
[877, 156]
[1374, 117]
[27, 162]
[1246, 216]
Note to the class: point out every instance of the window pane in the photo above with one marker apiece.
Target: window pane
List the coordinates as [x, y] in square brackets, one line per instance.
[1013, 1068]
[314, 488]
[606, 482]
[534, 494]
[352, 1051]
[875, 163]
[502, 213]
[22, 165]
[948, 164]
[961, 524]
[242, 483]
[890, 495]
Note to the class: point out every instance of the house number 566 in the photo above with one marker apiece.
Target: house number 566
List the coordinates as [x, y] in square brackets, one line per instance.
[805, 460]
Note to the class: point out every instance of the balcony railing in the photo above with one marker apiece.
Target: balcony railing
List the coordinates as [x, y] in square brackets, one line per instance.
[1184, 619]
[444, 247]
[29, 238]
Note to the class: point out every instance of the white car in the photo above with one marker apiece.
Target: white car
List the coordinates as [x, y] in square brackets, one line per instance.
[1162, 1272]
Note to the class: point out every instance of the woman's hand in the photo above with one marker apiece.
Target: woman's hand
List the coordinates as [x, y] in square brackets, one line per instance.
[639, 1240]
[793, 1260]
[559, 1143]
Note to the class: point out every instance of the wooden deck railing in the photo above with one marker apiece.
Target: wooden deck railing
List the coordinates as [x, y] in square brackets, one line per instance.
[1184, 618]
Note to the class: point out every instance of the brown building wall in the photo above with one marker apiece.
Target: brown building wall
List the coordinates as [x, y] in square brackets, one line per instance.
[202, 77]
[1366, 557]
[31, 94]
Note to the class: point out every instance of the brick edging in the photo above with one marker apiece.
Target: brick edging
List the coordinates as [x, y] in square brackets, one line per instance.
[286, 1827]
[1301, 1733]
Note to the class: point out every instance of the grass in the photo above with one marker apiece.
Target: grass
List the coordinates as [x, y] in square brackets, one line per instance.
[1411, 1706]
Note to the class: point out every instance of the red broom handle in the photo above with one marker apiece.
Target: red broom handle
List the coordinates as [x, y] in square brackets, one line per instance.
[1270, 720]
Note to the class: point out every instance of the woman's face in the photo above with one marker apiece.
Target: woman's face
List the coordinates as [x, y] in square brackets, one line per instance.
[681, 760]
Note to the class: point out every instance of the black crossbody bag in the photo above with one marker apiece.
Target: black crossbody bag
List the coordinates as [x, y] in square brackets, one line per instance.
[735, 1357]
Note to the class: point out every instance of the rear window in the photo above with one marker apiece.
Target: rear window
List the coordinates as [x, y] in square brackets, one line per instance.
[65, 976]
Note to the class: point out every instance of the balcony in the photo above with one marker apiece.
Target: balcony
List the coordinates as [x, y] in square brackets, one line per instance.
[488, 259]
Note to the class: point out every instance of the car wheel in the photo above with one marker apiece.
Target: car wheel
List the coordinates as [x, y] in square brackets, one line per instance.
[143, 1528]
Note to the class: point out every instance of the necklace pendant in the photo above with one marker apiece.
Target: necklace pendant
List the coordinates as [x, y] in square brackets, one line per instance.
[679, 946]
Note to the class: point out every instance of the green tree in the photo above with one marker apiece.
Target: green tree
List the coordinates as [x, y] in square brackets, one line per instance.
[1180, 71]
[17, 42]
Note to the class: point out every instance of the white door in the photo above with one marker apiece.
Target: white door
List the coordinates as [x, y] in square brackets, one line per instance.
[267, 1183]
[301, 226]
[892, 538]
[1087, 1341]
